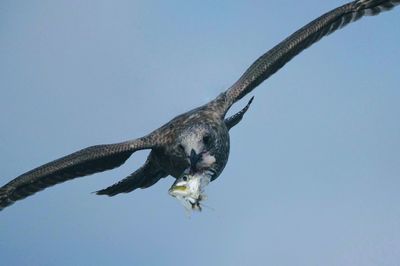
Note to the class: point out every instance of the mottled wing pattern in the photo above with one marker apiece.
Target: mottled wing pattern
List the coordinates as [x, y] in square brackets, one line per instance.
[144, 177]
[282, 53]
[81, 163]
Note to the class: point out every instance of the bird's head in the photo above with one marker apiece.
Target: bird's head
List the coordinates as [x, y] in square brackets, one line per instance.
[199, 144]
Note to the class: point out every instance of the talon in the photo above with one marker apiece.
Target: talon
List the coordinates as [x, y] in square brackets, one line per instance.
[198, 206]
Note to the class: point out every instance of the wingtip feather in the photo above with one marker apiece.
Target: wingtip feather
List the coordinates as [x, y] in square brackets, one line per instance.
[105, 192]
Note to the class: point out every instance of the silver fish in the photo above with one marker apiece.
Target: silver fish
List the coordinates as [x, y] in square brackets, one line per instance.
[189, 190]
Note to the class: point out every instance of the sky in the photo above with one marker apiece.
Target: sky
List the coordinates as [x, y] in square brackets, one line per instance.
[313, 176]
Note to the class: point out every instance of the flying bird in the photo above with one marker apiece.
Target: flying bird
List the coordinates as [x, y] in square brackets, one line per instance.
[192, 144]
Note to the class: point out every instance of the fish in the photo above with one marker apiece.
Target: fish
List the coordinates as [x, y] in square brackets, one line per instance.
[189, 190]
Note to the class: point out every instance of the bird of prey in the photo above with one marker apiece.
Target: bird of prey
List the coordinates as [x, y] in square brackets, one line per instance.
[196, 142]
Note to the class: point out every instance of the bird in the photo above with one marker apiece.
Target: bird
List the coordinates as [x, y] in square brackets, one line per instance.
[195, 142]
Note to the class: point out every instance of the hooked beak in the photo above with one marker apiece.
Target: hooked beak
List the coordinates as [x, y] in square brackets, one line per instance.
[194, 159]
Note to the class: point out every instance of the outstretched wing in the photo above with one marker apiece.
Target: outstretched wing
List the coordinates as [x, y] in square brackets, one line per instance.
[278, 56]
[81, 163]
[144, 177]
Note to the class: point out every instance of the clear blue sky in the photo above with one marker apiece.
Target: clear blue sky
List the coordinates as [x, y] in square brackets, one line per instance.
[314, 172]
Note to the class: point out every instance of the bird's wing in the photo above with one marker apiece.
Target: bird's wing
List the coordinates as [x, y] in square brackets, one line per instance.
[144, 177]
[278, 56]
[81, 163]
[236, 118]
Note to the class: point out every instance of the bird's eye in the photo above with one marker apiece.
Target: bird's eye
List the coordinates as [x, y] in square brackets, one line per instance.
[206, 139]
[184, 178]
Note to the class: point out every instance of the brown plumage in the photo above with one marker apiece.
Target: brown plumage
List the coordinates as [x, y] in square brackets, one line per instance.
[196, 141]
